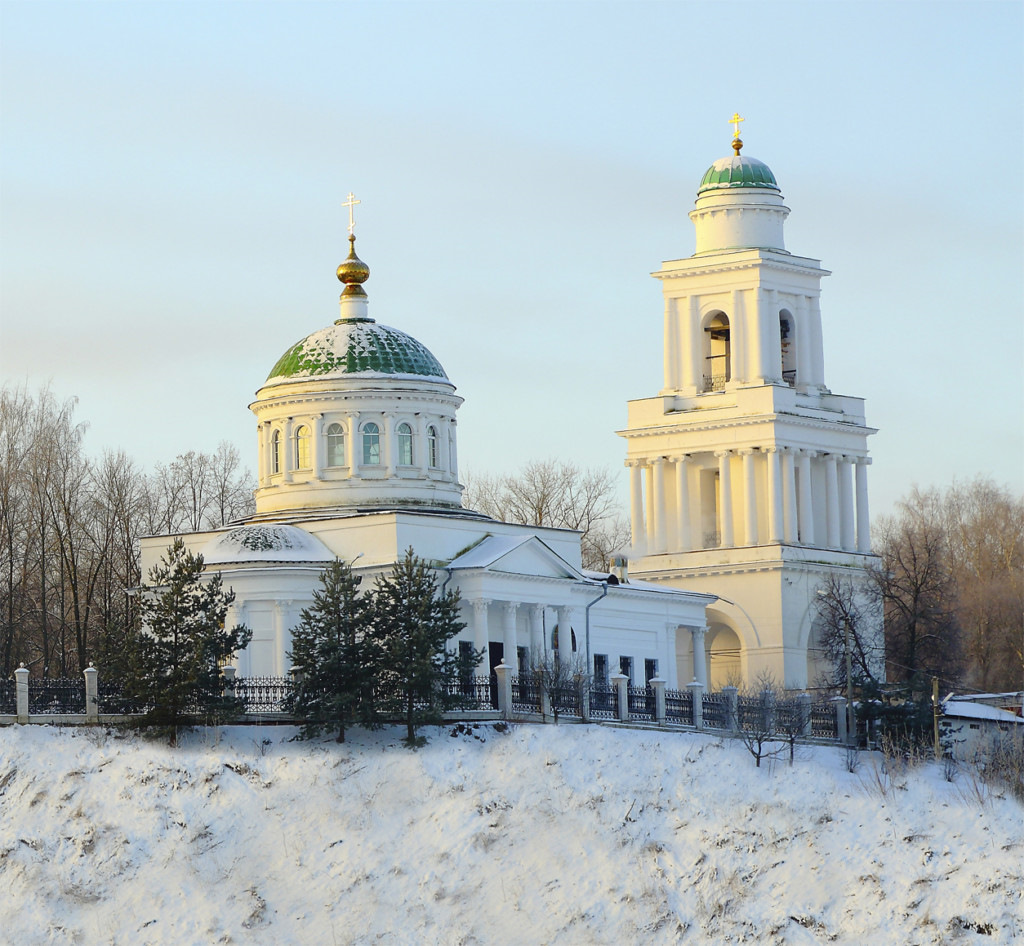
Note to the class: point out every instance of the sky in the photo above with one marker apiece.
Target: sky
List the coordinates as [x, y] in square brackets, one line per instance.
[172, 178]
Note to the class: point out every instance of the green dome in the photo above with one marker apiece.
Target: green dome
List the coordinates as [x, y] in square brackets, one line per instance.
[737, 171]
[356, 347]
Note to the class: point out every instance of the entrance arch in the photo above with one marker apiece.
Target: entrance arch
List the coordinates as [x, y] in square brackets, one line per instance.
[725, 658]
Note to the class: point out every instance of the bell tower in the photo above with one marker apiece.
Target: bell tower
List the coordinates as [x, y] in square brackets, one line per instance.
[748, 476]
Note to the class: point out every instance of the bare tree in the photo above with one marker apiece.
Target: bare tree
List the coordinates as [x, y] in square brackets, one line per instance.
[848, 614]
[922, 632]
[560, 495]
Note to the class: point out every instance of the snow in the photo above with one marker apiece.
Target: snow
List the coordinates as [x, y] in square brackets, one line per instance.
[964, 710]
[541, 834]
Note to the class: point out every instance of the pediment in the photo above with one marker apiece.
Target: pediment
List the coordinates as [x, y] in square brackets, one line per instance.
[516, 555]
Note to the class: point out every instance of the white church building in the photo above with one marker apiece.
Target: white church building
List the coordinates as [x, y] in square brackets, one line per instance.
[747, 477]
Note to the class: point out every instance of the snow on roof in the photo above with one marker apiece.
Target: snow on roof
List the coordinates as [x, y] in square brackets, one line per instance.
[967, 710]
[265, 542]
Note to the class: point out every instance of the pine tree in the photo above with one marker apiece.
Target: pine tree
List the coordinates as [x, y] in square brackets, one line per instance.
[412, 624]
[335, 655]
[176, 667]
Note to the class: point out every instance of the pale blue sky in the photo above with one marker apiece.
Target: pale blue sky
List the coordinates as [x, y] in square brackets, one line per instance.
[171, 179]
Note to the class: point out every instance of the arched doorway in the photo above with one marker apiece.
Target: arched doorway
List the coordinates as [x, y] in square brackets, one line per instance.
[725, 664]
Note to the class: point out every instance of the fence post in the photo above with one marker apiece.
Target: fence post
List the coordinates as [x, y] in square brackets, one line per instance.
[584, 688]
[732, 699]
[543, 681]
[504, 675]
[21, 689]
[768, 710]
[696, 689]
[621, 683]
[803, 702]
[229, 681]
[658, 685]
[92, 706]
[839, 706]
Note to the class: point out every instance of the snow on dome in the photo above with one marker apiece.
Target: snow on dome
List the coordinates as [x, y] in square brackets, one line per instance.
[356, 347]
[265, 543]
[737, 171]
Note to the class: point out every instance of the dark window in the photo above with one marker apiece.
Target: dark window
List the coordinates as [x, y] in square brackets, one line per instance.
[626, 667]
[650, 670]
[600, 668]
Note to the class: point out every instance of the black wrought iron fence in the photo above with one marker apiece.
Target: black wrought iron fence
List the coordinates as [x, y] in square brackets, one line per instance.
[261, 694]
[790, 716]
[604, 701]
[8, 697]
[714, 709]
[565, 700]
[474, 693]
[526, 692]
[754, 713]
[679, 706]
[111, 699]
[824, 724]
[56, 697]
[641, 702]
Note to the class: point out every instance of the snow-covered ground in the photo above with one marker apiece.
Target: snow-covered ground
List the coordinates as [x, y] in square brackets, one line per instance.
[543, 834]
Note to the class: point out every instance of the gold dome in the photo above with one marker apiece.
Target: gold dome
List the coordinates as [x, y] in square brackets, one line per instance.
[353, 272]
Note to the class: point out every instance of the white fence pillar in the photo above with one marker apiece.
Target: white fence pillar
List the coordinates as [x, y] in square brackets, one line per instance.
[732, 697]
[803, 701]
[21, 689]
[697, 692]
[621, 683]
[839, 703]
[658, 685]
[92, 705]
[504, 675]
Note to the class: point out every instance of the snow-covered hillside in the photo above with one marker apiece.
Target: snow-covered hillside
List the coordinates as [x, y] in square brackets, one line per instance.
[569, 835]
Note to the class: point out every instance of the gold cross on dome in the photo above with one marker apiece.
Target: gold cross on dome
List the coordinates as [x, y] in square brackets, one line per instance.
[734, 121]
[351, 203]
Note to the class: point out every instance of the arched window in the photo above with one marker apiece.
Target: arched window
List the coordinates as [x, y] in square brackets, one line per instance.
[335, 445]
[432, 447]
[303, 451]
[717, 353]
[275, 452]
[371, 444]
[404, 445]
[787, 335]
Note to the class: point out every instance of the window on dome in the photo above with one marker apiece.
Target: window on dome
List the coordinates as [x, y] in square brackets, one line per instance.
[371, 444]
[404, 445]
[303, 453]
[717, 353]
[432, 447]
[275, 452]
[335, 445]
[787, 336]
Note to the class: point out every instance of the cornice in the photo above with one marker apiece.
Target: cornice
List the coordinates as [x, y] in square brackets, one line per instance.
[711, 268]
[792, 420]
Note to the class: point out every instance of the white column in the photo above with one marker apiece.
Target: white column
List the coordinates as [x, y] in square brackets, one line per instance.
[659, 505]
[684, 533]
[536, 633]
[772, 335]
[724, 500]
[649, 512]
[353, 448]
[742, 339]
[453, 450]
[817, 356]
[316, 431]
[508, 633]
[832, 500]
[387, 444]
[806, 511]
[803, 341]
[670, 673]
[700, 657]
[282, 637]
[775, 496]
[847, 538]
[636, 502]
[789, 496]
[268, 452]
[288, 459]
[693, 346]
[863, 522]
[565, 619]
[421, 450]
[671, 346]
[481, 635]
[750, 536]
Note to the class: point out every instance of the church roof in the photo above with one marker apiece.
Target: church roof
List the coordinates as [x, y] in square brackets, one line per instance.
[270, 542]
[356, 347]
[737, 171]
